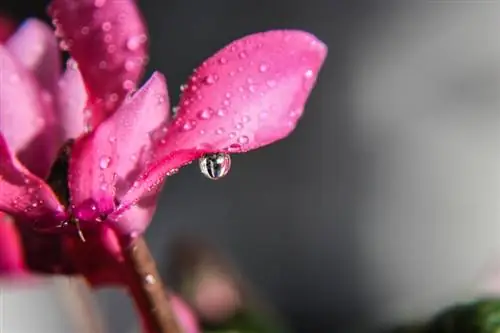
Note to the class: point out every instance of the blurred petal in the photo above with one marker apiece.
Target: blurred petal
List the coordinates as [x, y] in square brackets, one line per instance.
[24, 195]
[72, 99]
[25, 121]
[7, 28]
[248, 95]
[99, 258]
[11, 250]
[185, 316]
[110, 153]
[108, 41]
[35, 46]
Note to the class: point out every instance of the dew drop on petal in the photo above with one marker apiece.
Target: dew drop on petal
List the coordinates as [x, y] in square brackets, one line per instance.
[205, 114]
[84, 30]
[243, 139]
[309, 73]
[106, 26]
[104, 162]
[263, 67]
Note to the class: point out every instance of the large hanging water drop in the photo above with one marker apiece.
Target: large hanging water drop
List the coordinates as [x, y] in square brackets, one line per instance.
[215, 166]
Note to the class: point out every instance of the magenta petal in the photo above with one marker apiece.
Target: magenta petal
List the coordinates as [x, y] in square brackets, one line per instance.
[249, 94]
[111, 155]
[11, 251]
[108, 41]
[25, 196]
[26, 121]
[135, 219]
[72, 98]
[35, 46]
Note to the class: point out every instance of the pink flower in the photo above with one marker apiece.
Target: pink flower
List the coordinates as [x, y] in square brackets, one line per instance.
[248, 95]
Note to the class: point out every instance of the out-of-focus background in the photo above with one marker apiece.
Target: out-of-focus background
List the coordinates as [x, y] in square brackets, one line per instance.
[382, 206]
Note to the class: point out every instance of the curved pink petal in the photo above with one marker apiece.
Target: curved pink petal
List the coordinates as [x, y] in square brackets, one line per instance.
[111, 155]
[35, 46]
[249, 94]
[72, 98]
[134, 220]
[107, 38]
[25, 121]
[25, 196]
[11, 250]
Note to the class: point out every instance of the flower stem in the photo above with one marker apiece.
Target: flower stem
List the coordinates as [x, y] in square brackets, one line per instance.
[147, 289]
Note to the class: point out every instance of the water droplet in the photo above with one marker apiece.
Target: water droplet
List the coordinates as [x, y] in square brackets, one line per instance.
[245, 119]
[232, 135]
[271, 83]
[205, 114]
[239, 126]
[183, 87]
[63, 45]
[263, 68]
[252, 88]
[222, 60]
[111, 48]
[134, 42]
[243, 139]
[220, 130]
[188, 125]
[309, 73]
[84, 30]
[226, 102]
[243, 54]
[129, 65]
[210, 79]
[215, 166]
[104, 162]
[150, 279]
[106, 26]
[103, 64]
[99, 3]
[112, 139]
[128, 84]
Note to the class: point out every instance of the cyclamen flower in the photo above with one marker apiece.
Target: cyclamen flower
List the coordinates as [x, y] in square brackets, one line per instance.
[248, 95]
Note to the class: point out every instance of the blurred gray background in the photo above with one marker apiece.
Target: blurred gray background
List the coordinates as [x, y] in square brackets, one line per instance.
[383, 205]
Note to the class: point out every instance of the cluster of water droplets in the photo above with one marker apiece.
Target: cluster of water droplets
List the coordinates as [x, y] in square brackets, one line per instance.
[33, 190]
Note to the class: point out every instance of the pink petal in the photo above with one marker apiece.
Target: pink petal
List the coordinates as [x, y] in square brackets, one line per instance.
[11, 251]
[185, 316]
[72, 100]
[248, 95]
[107, 38]
[25, 196]
[35, 46]
[134, 221]
[25, 121]
[110, 155]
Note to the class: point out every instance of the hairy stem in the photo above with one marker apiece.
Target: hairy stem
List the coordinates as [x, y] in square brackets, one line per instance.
[147, 289]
